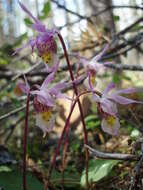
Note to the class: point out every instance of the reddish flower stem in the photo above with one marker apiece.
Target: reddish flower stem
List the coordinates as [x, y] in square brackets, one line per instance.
[66, 143]
[61, 138]
[66, 128]
[25, 141]
[64, 156]
[79, 105]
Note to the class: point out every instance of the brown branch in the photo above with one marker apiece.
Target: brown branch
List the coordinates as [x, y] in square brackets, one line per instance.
[130, 27]
[26, 71]
[96, 14]
[113, 156]
[13, 112]
[126, 67]
[124, 51]
[72, 12]
[19, 75]
[125, 6]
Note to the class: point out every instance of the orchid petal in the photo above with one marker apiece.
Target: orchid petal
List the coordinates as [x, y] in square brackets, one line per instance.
[48, 79]
[46, 100]
[57, 88]
[28, 12]
[45, 126]
[60, 85]
[35, 92]
[98, 56]
[108, 88]
[32, 43]
[44, 97]
[96, 98]
[26, 82]
[89, 82]
[112, 130]
[95, 65]
[126, 91]
[39, 27]
[83, 61]
[29, 43]
[122, 100]
[63, 96]
[50, 124]
[23, 88]
[53, 68]
[108, 106]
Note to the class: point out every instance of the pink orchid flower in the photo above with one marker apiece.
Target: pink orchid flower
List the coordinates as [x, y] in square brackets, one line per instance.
[44, 42]
[93, 66]
[44, 101]
[46, 95]
[25, 88]
[107, 106]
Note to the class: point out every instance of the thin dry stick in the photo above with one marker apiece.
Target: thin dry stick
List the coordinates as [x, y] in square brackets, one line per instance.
[13, 112]
[113, 156]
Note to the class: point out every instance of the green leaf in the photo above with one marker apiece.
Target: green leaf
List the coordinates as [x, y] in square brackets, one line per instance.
[90, 117]
[126, 77]
[28, 22]
[46, 8]
[20, 39]
[92, 125]
[5, 169]
[13, 180]
[116, 18]
[137, 28]
[75, 146]
[135, 134]
[116, 78]
[3, 61]
[98, 169]
[92, 122]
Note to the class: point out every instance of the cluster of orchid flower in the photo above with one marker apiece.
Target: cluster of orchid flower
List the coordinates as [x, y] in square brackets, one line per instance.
[45, 96]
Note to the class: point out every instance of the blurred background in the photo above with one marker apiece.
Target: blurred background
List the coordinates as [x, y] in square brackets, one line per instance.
[86, 26]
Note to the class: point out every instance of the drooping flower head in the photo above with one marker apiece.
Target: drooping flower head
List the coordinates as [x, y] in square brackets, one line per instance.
[44, 101]
[107, 107]
[44, 42]
[93, 66]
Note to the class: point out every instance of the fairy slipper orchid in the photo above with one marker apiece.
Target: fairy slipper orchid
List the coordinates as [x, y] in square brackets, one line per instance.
[107, 107]
[44, 42]
[93, 66]
[45, 101]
